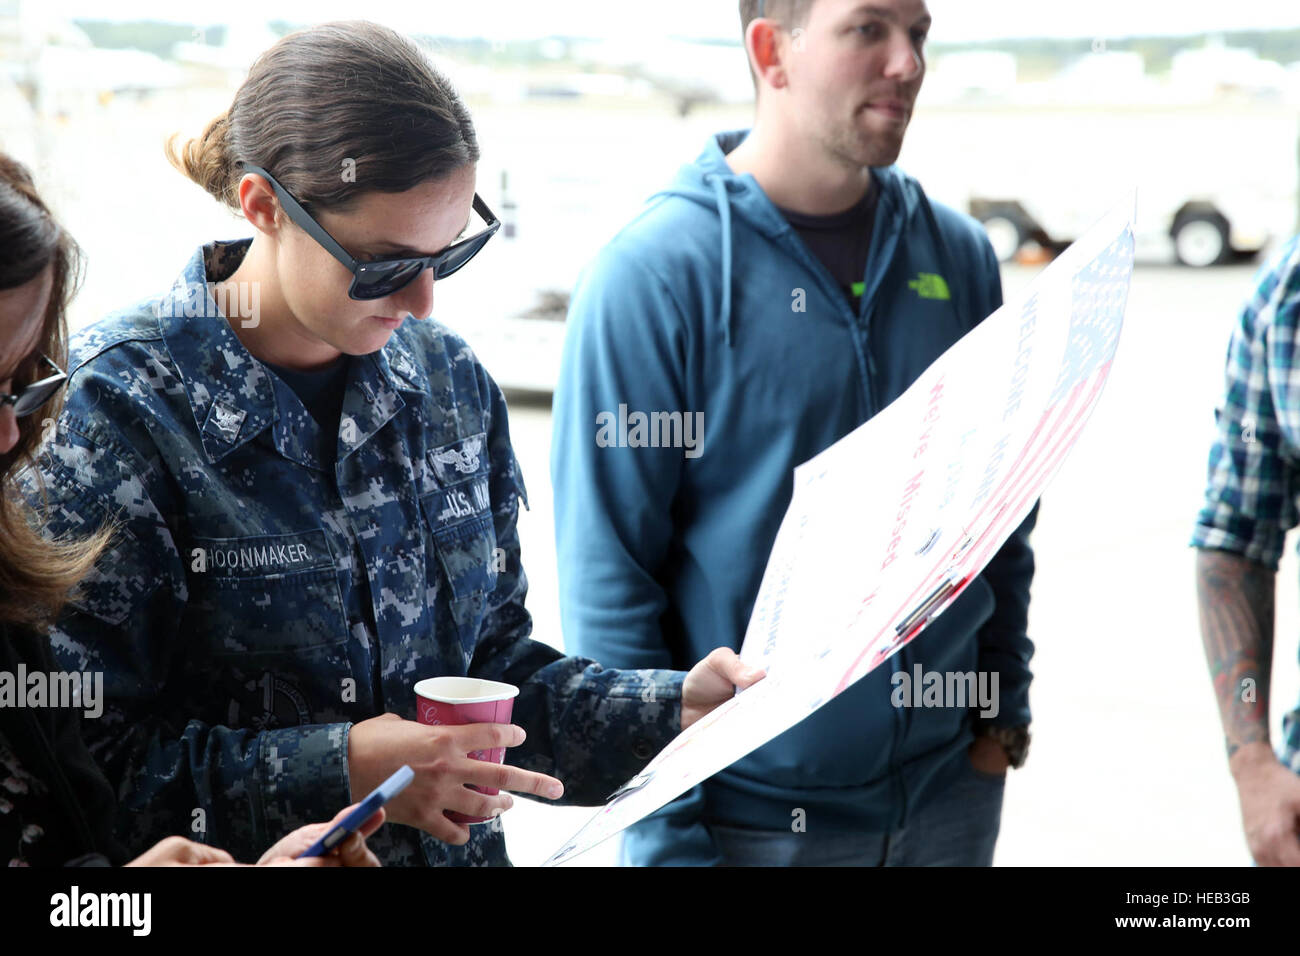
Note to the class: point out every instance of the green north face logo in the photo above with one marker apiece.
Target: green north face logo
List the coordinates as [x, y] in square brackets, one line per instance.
[929, 286]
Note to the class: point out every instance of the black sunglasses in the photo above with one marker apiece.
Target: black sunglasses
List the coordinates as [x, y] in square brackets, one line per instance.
[31, 397]
[376, 278]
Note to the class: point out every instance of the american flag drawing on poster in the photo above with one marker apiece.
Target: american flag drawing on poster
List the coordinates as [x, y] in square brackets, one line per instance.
[1098, 295]
[889, 526]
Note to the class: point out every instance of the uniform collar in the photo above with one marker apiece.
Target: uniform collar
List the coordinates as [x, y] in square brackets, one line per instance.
[396, 362]
[231, 393]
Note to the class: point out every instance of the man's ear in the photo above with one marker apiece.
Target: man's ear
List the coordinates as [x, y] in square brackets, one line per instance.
[766, 46]
[258, 203]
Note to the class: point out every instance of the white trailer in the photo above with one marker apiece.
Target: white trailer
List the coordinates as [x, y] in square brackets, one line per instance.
[1211, 180]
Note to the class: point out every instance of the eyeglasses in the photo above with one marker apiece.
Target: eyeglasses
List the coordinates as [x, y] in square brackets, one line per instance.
[31, 397]
[376, 278]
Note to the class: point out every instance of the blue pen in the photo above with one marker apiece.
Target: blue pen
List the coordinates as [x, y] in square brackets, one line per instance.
[364, 811]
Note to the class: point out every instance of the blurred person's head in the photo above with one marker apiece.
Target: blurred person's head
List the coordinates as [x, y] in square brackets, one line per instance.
[841, 75]
[357, 125]
[40, 267]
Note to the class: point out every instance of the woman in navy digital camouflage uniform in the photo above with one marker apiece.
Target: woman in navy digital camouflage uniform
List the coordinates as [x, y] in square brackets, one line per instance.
[315, 494]
[56, 808]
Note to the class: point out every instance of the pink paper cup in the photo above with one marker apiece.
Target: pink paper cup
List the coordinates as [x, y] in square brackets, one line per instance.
[452, 701]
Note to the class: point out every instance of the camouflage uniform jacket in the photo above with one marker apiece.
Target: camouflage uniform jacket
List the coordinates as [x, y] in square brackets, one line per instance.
[256, 602]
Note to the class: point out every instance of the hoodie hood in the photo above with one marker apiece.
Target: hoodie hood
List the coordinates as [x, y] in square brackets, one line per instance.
[711, 182]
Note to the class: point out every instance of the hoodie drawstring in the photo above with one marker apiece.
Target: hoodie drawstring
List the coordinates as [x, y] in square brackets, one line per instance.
[724, 213]
[949, 273]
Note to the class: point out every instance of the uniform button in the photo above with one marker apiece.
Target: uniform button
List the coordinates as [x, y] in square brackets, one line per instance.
[642, 750]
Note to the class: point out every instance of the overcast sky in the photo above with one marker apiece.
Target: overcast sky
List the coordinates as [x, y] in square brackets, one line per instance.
[955, 20]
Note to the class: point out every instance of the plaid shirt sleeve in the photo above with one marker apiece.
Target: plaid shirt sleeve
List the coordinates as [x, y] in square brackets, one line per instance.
[1254, 465]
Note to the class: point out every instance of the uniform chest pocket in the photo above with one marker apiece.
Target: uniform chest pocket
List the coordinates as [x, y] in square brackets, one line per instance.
[462, 537]
[265, 596]
[466, 553]
[459, 514]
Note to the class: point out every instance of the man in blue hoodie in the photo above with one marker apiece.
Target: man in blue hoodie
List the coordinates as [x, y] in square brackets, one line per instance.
[788, 286]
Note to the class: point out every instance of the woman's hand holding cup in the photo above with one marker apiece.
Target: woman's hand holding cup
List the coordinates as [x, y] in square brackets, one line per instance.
[444, 771]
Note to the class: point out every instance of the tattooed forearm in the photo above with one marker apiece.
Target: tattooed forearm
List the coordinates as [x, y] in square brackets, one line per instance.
[1236, 608]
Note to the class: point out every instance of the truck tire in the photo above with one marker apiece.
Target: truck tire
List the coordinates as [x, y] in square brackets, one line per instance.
[1201, 239]
[1006, 233]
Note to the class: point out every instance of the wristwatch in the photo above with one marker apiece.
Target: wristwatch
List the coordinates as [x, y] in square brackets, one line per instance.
[1014, 740]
